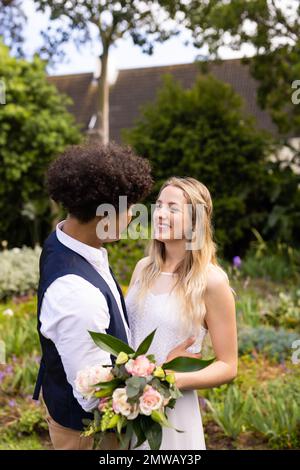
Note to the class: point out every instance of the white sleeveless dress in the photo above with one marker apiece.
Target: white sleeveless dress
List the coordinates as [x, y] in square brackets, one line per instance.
[160, 310]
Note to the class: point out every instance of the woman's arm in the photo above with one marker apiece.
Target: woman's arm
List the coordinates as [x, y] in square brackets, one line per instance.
[221, 321]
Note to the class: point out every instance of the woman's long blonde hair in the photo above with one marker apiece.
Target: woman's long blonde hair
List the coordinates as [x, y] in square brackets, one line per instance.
[192, 271]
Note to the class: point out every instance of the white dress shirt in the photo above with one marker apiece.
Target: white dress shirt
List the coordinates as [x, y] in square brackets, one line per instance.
[71, 306]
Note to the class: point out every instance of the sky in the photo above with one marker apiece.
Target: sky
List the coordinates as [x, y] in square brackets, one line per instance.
[124, 55]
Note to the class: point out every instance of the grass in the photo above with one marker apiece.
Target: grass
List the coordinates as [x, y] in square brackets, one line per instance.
[33, 442]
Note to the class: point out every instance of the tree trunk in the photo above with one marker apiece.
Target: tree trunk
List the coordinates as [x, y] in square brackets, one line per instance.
[103, 128]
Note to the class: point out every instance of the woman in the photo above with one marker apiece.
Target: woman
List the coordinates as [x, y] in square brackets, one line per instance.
[180, 290]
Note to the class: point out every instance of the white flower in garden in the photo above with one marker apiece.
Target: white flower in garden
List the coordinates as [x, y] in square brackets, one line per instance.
[87, 379]
[8, 312]
[121, 406]
[150, 400]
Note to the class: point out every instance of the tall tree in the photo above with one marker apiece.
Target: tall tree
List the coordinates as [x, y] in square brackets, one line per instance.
[34, 127]
[12, 21]
[203, 132]
[104, 22]
[272, 28]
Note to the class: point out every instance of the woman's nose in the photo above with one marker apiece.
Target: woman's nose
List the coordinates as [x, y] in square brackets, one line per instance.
[162, 213]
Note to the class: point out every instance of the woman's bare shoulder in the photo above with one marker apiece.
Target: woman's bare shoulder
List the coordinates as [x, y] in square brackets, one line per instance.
[216, 277]
[140, 265]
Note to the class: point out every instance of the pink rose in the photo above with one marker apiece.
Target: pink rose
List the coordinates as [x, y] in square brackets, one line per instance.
[103, 403]
[141, 366]
[150, 400]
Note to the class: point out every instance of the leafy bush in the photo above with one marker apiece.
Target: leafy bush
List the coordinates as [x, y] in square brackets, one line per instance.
[25, 427]
[202, 132]
[274, 412]
[123, 256]
[35, 127]
[31, 420]
[287, 313]
[248, 310]
[271, 409]
[278, 262]
[274, 343]
[22, 376]
[9, 441]
[19, 271]
[279, 310]
[20, 335]
[230, 412]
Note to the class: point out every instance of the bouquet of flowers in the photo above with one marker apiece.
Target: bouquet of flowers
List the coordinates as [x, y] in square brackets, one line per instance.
[134, 393]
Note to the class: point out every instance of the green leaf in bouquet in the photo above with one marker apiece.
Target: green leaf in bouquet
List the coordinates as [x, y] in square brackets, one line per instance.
[145, 344]
[87, 422]
[110, 344]
[125, 440]
[121, 423]
[175, 393]
[138, 432]
[113, 422]
[187, 364]
[171, 403]
[151, 357]
[114, 383]
[120, 372]
[98, 438]
[152, 431]
[105, 392]
[97, 417]
[159, 417]
[160, 387]
[135, 386]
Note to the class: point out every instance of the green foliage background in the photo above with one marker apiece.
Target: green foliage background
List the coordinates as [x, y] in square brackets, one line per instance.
[34, 127]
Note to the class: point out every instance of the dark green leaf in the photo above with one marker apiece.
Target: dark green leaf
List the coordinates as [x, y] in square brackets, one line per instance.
[153, 432]
[128, 435]
[111, 384]
[145, 345]
[138, 432]
[110, 344]
[187, 364]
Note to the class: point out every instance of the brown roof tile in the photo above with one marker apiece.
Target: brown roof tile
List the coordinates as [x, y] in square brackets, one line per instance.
[136, 87]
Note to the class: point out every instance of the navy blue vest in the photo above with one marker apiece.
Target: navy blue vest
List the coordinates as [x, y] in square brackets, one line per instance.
[58, 260]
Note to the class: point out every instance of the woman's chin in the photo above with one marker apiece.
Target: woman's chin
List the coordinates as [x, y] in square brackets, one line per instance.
[162, 236]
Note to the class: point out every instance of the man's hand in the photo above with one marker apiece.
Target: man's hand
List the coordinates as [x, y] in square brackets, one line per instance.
[180, 350]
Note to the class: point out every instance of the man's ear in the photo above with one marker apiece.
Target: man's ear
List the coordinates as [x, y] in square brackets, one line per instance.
[102, 226]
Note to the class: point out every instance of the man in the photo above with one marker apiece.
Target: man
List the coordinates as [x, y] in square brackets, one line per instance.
[77, 290]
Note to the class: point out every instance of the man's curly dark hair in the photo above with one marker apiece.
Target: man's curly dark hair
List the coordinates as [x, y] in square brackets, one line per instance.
[85, 176]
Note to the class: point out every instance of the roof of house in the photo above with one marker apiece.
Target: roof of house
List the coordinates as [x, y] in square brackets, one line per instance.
[137, 86]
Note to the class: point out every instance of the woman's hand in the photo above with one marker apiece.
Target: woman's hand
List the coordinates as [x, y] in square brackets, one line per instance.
[180, 350]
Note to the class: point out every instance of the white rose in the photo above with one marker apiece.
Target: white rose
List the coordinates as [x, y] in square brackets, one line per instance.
[121, 406]
[100, 374]
[87, 378]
